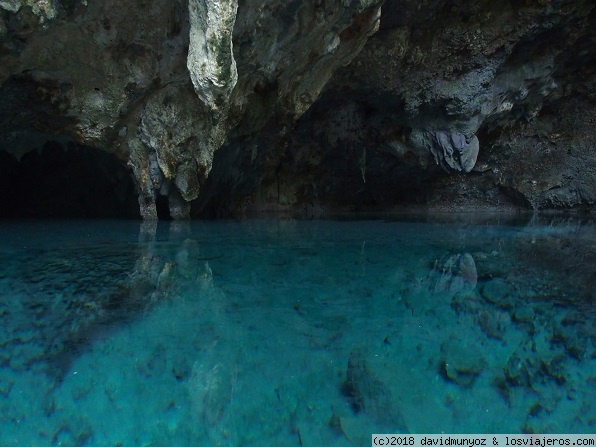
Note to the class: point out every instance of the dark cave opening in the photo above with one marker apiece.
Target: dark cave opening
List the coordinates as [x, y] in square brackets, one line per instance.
[65, 181]
[163, 207]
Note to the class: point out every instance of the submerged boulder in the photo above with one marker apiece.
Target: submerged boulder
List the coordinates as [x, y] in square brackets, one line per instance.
[369, 394]
[461, 361]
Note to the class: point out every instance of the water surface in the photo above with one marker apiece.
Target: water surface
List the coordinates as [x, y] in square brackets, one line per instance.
[294, 333]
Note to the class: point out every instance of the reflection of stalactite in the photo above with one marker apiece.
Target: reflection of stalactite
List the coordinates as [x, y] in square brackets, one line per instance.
[162, 272]
[179, 228]
[147, 231]
[154, 276]
[84, 293]
[210, 387]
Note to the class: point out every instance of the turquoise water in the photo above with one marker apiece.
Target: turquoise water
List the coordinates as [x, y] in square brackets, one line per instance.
[293, 333]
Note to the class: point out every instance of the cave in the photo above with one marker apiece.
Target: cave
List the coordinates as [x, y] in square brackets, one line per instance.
[65, 180]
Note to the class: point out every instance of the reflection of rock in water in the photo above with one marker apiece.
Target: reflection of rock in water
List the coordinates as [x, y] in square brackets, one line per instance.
[535, 297]
[456, 274]
[211, 390]
[451, 278]
[57, 302]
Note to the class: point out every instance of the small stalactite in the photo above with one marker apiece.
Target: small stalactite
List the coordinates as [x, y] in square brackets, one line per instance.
[362, 164]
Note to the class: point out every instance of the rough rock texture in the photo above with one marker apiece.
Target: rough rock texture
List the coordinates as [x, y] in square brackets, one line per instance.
[211, 62]
[369, 394]
[227, 106]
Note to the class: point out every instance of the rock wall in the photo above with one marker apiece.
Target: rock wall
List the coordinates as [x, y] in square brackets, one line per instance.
[228, 106]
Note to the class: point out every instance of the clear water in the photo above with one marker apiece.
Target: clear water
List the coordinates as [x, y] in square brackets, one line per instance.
[293, 333]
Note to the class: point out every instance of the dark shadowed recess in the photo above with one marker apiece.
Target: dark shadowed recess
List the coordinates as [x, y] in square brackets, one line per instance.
[65, 181]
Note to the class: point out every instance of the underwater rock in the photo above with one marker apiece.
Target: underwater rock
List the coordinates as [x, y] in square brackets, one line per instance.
[461, 361]
[518, 371]
[369, 394]
[65, 436]
[498, 291]
[523, 314]
[574, 338]
[494, 323]
[309, 437]
[527, 368]
[354, 428]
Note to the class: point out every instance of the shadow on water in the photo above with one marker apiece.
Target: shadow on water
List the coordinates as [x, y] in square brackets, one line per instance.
[60, 296]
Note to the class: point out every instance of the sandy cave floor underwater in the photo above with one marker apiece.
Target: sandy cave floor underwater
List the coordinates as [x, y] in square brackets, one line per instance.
[293, 333]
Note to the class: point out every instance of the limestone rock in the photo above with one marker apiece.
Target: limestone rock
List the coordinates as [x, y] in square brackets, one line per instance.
[494, 323]
[461, 361]
[456, 150]
[44, 9]
[182, 146]
[299, 105]
[210, 61]
[499, 292]
[370, 395]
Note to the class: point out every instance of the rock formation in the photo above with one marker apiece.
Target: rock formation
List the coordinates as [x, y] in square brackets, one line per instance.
[225, 106]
